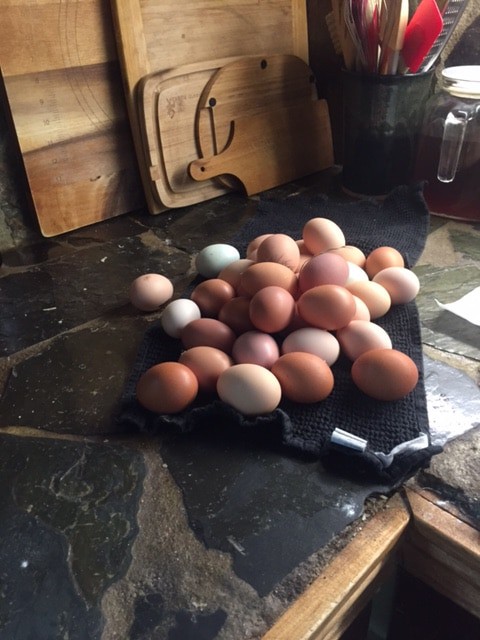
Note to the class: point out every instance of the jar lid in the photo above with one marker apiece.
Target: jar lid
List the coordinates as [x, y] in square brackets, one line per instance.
[463, 81]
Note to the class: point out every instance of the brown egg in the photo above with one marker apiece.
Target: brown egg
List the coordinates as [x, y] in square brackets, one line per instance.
[385, 374]
[168, 387]
[207, 363]
[236, 313]
[208, 332]
[373, 295]
[327, 306]
[351, 254]
[254, 244]
[381, 258]
[303, 377]
[233, 271]
[264, 274]
[279, 248]
[272, 309]
[210, 296]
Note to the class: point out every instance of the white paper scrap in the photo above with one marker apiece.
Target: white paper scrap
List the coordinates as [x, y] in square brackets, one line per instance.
[468, 307]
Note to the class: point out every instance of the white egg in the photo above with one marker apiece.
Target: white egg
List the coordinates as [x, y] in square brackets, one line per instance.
[355, 273]
[177, 315]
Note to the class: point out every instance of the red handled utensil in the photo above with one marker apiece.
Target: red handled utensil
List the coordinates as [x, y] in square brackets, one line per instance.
[421, 32]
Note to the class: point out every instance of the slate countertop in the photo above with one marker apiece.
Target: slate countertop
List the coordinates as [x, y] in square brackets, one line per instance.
[107, 535]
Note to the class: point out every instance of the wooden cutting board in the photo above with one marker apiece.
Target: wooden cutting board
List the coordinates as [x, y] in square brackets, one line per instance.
[63, 84]
[155, 36]
[167, 106]
[273, 147]
[248, 86]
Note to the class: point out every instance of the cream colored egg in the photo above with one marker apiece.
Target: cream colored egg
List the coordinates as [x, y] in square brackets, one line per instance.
[250, 389]
[402, 284]
[322, 234]
[351, 254]
[360, 336]
[320, 342]
[373, 295]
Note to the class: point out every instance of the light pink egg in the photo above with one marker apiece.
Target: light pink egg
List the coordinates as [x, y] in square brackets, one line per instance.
[255, 347]
[326, 268]
[149, 291]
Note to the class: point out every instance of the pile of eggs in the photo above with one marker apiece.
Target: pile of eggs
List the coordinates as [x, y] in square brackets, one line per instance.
[272, 324]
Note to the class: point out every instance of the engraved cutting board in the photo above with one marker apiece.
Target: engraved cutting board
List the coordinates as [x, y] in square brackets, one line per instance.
[155, 36]
[273, 147]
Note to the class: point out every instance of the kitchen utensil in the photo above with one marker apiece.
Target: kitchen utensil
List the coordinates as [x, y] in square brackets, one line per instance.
[63, 85]
[394, 21]
[341, 38]
[451, 14]
[155, 36]
[273, 147]
[422, 31]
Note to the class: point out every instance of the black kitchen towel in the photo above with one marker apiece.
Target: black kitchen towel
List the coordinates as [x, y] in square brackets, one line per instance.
[393, 436]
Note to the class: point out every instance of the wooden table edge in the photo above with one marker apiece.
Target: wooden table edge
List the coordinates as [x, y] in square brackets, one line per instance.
[334, 599]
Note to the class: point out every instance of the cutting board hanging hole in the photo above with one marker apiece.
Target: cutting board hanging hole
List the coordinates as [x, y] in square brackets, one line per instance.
[263, 64]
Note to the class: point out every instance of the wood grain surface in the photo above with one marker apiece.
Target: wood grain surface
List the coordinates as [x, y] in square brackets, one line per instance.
[326, 609]
[63, 84]
[443, 550]
[155, 36]
[273, 147]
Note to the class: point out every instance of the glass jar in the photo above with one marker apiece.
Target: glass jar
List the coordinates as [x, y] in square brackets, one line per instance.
[448, 155]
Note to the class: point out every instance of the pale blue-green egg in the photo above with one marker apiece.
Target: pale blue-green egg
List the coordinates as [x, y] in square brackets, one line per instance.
[215, 257]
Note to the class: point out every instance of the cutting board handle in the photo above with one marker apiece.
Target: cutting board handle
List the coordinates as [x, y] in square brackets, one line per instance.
[273, 147]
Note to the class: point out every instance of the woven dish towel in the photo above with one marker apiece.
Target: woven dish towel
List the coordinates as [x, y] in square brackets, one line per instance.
[387, 440]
